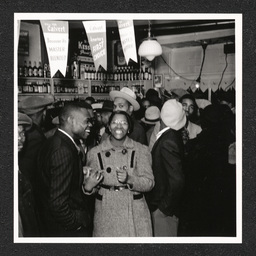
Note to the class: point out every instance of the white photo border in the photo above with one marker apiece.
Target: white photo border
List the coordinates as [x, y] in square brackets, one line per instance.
[138, 16]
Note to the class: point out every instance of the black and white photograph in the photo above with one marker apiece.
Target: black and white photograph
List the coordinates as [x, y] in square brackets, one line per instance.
[127, 128]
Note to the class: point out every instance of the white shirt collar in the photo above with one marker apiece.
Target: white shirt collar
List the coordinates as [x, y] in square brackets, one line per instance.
[161, 132]
[70, 138]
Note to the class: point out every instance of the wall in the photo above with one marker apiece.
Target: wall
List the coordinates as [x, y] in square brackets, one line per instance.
[34, 44]
[186, 62]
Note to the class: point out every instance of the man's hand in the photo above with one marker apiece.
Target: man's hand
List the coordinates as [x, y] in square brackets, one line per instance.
[91, 178]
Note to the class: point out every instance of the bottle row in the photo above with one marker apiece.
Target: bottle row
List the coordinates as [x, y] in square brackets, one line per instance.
[45, 87]
[35, 71]
[127, 73]
[84, 71]
[34, 87]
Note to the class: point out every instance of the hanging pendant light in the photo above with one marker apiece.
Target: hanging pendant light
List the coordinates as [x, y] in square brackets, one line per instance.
[150, 48]
[198, 80]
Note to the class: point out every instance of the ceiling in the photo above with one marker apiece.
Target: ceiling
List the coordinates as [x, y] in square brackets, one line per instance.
[162, 28]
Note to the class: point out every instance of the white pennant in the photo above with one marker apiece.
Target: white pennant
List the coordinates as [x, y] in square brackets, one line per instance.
[56, 40]
[126, 31]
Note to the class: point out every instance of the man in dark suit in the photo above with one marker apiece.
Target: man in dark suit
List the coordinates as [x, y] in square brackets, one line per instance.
[64, 209]
[167, 158]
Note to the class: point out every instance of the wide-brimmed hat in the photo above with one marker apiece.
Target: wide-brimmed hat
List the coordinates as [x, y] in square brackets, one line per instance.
[173, 115]
[152, 115]
[34, 104]
[24, 120]
[108, 106]
[126, 94]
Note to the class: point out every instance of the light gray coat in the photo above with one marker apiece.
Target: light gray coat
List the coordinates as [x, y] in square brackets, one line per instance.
[118, 213]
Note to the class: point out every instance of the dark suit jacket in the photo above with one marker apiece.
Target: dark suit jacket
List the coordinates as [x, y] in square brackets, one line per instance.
[167, 165]
[138, 133]
[64, 209]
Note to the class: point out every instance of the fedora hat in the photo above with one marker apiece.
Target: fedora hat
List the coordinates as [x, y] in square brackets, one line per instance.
[97, 106]
[126, 94]
[34, 104]
[173, 115]
[24, 120]
[152, 115]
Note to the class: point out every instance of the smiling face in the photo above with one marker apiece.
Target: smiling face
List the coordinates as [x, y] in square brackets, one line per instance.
[81, 123]
[119, 127]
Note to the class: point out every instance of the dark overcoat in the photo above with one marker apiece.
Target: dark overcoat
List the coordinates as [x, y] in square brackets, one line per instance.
[167, 165]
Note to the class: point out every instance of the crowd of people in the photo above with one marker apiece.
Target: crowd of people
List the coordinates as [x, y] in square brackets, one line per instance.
[131, 167]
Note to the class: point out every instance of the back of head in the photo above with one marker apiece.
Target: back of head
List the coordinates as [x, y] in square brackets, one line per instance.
[173, 115]
[215, 116]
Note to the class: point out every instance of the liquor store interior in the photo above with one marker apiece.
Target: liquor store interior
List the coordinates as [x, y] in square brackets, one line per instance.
[160, 99]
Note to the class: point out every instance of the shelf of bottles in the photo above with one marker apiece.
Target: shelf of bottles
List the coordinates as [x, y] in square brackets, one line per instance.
[81, 80]
[33, 79]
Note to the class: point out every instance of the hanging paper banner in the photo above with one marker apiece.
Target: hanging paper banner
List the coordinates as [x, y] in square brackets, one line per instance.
[126, 31]
[96, 33]
[56, 40]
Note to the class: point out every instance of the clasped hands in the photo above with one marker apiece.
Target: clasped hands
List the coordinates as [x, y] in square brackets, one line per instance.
[91, 178]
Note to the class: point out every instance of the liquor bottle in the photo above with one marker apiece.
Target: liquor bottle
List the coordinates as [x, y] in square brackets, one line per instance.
[135, 74]
[111, 76]
[141, 74]
[21, 74]
[121, 74]
[67, 71]
[86, 72]
[125, 73]
[30, 69]
[115, 74]
[129, 73]
[104, 74]
[40, 70]
[90, 72]
[45, 70]
[145, 76]
[96, 75]
[118, 73]
[149, 74]
[35, 70]
[48, 72]
[74, 69]
[93, 73]
[25, 69]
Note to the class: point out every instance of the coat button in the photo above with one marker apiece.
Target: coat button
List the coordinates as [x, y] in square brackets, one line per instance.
[108, 170]
[107, 154]
[124, 151]
[124, 167]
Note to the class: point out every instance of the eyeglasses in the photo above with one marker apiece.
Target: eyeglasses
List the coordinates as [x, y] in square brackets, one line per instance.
[116, 122]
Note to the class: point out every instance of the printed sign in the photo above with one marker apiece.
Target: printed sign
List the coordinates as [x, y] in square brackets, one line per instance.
[56, 40]
[96, 34]
[126, 31]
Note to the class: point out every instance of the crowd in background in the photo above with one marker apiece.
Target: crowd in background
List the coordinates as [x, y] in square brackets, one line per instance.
[162, 165]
